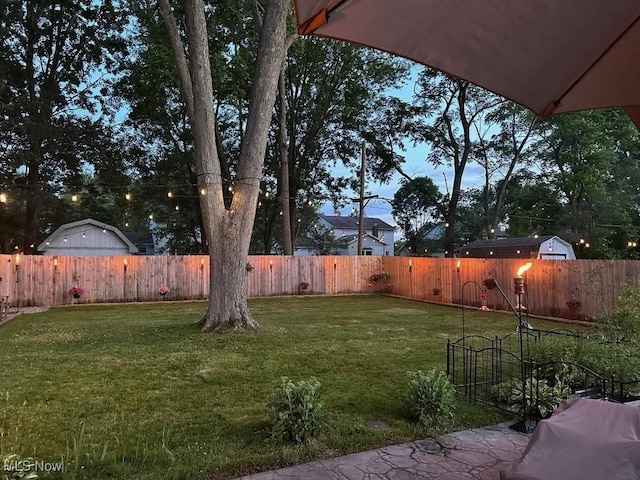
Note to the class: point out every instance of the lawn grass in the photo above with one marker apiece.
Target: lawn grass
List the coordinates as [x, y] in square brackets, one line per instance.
[135, 392]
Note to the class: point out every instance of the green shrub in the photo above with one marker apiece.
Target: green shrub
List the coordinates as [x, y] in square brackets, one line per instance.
[502, 392]
[624, 324]
[540, 395]
[296, 412]
[604, 358]
[430, 398]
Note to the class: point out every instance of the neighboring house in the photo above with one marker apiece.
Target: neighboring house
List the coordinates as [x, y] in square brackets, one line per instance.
[143, 242]
[348, 245]
[430, 244]
[87, 237]
[306, 246]
[549, 247]
[377, 237]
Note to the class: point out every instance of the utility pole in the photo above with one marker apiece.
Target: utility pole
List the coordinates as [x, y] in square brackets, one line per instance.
[362, 199]
[363, 158]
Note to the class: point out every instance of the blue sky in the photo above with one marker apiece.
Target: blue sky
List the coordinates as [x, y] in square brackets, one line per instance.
[415, 165]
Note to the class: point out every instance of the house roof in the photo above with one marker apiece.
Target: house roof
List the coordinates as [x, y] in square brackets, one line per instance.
[517, 247]
[352, 222]
[139, 237]
[305, 242]
[347, 239]
[60, 231]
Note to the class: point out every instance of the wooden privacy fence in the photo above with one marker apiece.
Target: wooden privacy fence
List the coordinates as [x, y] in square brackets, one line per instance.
[550, 284]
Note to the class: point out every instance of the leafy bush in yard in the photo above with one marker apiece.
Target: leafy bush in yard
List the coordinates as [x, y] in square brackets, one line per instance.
[295, 409]
[429, 398]
[502, 392]
[540, 394]
[624, 324]
[604, 358]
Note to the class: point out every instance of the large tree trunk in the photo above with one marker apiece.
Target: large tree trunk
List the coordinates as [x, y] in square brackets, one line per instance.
[287, 239]
[227, 230]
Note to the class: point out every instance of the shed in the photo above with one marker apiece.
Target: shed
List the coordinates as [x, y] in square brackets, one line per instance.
[87, 237]
[547, 247]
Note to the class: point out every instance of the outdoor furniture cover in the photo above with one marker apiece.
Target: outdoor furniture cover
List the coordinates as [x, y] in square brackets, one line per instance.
[584, 439]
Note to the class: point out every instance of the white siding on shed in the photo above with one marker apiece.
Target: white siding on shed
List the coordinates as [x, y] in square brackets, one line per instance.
[87, 237]
[556, 249]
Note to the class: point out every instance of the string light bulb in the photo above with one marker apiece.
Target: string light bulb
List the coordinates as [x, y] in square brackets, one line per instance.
[203, 192]
[74, 198]
[3, 198]
[169, 194]
[127, 196]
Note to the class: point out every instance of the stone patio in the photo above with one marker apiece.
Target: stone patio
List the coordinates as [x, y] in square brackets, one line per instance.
[478, 454]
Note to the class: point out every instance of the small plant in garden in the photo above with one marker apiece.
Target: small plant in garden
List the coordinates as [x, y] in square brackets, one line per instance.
[502, 392]
[76, 291]
[623, 325]
[295, 410]
[163, 289]
[430, 398]
[540, 395]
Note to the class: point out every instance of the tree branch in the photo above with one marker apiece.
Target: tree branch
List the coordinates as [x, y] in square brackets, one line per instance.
[179, 54]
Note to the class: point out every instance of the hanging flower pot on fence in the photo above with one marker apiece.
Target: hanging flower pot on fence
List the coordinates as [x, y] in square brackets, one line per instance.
[489, 283]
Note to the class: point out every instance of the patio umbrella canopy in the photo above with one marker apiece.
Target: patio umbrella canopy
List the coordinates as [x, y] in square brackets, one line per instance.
[547, 55]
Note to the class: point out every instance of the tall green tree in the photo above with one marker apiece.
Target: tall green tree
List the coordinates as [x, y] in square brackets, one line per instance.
[56, 64]
[333, 91]
[504, 146]
[227, 227]
[448, 110]
[415, 206]
[590, 159]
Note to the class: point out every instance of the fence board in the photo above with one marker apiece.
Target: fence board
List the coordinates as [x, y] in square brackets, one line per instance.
[550, 284]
